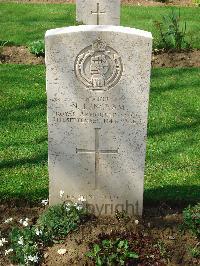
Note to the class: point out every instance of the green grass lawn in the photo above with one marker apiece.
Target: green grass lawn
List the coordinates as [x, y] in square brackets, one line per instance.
[173, 150]
[23, 23]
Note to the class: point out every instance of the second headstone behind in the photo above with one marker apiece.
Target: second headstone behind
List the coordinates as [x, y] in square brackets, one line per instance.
[98, 12]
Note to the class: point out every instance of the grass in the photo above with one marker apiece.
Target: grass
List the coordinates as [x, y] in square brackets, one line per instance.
[23, 133]
[173, 135]
[23, 23]
[173, 151]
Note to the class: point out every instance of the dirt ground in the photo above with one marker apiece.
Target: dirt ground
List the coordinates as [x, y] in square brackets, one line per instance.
[21, 55]
[158, 233]
[176, 59]
[126, 2]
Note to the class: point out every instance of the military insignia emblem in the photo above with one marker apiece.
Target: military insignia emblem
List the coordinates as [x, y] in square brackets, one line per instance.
[98, 66]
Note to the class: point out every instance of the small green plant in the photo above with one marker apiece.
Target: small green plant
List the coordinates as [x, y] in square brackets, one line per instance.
[191, 219]
[196, 2]
[171, 34]
[26, 243]
[161, 246]
[78, 23]
[195, 251]
[112, 252]
[57, 221]
[2, 44]
[25, 246]
[37, 48]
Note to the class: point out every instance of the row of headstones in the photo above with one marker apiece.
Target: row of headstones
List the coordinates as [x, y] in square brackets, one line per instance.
[98, 89]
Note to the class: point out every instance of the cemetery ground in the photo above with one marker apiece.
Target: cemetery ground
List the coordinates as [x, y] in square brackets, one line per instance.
[126, 2]
[20, 32]
[173, 152]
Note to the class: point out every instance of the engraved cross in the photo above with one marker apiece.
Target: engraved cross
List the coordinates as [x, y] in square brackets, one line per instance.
[97, 151]
[98, 13]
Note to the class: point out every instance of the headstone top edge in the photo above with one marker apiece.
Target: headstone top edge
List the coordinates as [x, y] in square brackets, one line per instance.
[98, 28]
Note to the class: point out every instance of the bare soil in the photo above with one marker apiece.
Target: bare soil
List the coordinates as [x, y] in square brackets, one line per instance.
[21, 55]
[159, 2]
[176, 59]
[156, 237]
[126, 2]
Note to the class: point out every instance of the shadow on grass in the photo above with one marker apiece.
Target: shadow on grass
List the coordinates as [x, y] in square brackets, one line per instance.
[174, 196]
[38, 105]
[176, 128]
[37, 140]
[177, 79]
[40, 158]
[168, 197]
[24, 199]
[160, 73]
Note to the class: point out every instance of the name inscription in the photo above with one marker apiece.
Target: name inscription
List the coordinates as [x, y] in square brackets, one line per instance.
[93, 111]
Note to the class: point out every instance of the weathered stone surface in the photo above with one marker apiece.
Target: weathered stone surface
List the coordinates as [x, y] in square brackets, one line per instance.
[98, 89]
[98, 12]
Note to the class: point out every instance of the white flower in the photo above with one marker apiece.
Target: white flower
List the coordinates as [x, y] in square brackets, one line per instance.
[81, 199]
[62, 251]
[38, 232]
[136, 222]
[21, 241]
[8, 251]
[26, 259]
[25, 223]
[45, 202]
[67, 208]
[33, 258]
[79, 207]
[2, 241]
[9, 220]
[62, 192]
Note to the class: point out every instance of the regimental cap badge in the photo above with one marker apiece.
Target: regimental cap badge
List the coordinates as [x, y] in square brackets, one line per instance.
[98, 67]
[99, 46]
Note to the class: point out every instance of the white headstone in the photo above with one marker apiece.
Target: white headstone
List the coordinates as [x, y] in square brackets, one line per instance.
[98, 89]
[98, 12]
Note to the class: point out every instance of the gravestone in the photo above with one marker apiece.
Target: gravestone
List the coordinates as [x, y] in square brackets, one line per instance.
[98, 88]
[98, 12]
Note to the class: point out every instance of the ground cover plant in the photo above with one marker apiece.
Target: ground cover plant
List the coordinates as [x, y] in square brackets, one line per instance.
[126, 248]
[112, 252]
[191, 223]
[120, 240]
[191, 219]
[24, 24]
[26, 241]
[172, 150]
